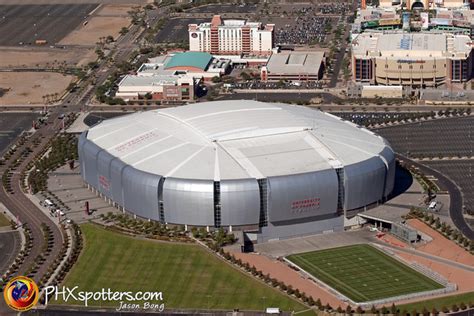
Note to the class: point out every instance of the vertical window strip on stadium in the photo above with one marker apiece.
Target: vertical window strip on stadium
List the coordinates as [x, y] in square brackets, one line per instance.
[340, 195]
[262, 185]
[217, 204]
[161, 209]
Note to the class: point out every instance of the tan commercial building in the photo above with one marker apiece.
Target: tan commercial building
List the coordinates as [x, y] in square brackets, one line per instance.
[231, 37]
[414, 59]
[294, 66]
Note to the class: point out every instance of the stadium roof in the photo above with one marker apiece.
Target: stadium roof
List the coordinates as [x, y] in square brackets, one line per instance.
[234, 140]
[295, 63]
[425, 45]
[189, 59]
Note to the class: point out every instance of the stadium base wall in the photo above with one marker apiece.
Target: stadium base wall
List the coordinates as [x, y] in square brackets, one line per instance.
[273, 232]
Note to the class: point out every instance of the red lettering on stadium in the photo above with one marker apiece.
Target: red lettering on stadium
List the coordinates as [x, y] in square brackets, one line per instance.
[300, 206]
[135, 141]
[104, 182]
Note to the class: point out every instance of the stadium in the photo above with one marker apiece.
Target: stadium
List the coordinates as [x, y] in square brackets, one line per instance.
[269, 170]
[424, 59]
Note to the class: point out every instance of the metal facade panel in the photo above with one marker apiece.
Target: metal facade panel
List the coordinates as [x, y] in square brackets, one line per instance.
[90, 154]
[80, 150]
[364, 183]
[116, 168]
[302, 195]
[140, 192]
[187, 201]
[272, 232]
[389, 157]
[103, 172]
[240, 202]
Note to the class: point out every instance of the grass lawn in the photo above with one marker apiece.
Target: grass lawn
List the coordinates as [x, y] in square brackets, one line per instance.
[438, 303]
[363, 273]
[4, 220]
[187, 275]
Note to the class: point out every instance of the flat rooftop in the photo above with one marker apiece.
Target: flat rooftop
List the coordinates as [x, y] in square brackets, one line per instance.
[295, 63]
[153, 80]
[426, 45]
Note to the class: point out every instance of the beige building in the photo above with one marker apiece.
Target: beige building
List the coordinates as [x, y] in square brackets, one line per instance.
[294, 66]
[415, 59]
[231, 37]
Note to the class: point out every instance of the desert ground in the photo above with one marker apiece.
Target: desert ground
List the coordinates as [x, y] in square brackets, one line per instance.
[98, 26]
[12, 57]
[30, 87]
[105, 20]
[115, 10]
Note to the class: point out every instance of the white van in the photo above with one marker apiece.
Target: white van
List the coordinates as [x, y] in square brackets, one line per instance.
[432, 206]
[48, 203]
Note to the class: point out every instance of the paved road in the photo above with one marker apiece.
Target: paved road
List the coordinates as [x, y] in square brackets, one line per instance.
[455, 207]
[342, 52]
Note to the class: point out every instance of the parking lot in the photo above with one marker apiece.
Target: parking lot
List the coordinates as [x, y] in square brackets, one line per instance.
[451, 137]
[11, 125]
[461, 172]
[24, 24]
[176, 30]
[306, 29]
[10, 244]
[372, 118]
[282, 97]
[224, 8]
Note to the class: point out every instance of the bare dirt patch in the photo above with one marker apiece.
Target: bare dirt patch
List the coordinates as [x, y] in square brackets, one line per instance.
[440, 246]
[96, 27]
[27, 58]
[30, 87]
[114, 10]
[283, 273]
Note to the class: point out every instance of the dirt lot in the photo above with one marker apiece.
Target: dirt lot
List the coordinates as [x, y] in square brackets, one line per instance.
[97, 27]
[114, 10]
[26, 58]
[29, 87]
[441, 246]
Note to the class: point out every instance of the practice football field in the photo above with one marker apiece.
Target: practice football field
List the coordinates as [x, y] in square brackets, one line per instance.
[363, 273]
[188, 276]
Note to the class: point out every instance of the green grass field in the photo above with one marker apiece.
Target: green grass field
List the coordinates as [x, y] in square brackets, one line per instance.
[363, 273]
[438, 303]
[4, 220]
[188, 276]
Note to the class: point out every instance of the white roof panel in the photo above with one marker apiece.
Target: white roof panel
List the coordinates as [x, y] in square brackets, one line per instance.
[233, 140]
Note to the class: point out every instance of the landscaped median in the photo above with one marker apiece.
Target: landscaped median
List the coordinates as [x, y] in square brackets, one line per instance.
[188, 276]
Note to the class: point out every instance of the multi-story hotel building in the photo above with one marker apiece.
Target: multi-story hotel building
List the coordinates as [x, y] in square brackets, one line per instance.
[415, 59]
[231, 37]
